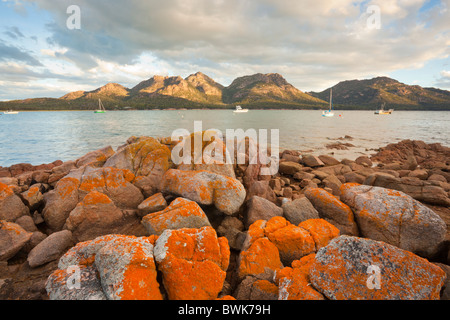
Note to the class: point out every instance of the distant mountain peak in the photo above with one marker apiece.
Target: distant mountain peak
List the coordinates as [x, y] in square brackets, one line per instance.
[378, 90]
[270, 86]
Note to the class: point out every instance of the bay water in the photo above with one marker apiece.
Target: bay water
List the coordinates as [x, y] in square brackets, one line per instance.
[43, 137]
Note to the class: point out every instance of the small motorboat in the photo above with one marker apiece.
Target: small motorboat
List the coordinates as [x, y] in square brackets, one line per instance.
[11, 112]
[383, 111]
[240, 110]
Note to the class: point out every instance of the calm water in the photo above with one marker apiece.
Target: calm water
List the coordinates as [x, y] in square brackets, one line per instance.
[43, 137]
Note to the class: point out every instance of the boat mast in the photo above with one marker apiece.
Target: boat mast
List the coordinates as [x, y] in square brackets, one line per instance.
[100, 105]
[331, 98]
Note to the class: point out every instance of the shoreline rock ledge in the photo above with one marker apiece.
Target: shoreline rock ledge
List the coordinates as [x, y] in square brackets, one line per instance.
[129, 224]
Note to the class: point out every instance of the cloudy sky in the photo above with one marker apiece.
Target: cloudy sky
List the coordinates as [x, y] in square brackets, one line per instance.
[313, 43]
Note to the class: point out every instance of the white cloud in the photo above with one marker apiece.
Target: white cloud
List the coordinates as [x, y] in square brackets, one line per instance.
[313, 43]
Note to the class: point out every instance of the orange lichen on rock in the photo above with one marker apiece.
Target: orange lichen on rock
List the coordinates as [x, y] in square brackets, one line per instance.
[333, 210]
[396, 218]
[94, 198]
[66, 187]
[227, 297]
[84, 252]
[348, 185]
[128, 270]
[143, 156]
[294, 282]
[274, 224]
[321, 231]
[193, 263]
[261, 255]
[125, 265]
[292, 242]
[5, 191]
[105, 178]
[352, 268]
[181, 213]
[255, 232]
[205, 187]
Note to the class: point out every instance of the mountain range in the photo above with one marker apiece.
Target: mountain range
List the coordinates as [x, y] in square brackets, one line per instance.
[253, 91]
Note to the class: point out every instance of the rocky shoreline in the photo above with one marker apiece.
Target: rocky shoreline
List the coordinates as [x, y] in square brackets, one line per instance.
[130, 224]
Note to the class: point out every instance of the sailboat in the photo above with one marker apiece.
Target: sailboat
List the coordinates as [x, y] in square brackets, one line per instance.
[101, 108]
[382, 111]
[329, 113]
[240, 110]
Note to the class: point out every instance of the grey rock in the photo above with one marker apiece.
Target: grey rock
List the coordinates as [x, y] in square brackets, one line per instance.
[261, 209]
[299, 210]
[396, 218]
[51, 248]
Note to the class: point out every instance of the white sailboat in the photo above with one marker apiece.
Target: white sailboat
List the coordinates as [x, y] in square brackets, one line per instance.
[101, 108]
[240, 110]
[329, 113]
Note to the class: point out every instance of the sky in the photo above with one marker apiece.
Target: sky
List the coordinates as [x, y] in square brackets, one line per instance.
[314, 44]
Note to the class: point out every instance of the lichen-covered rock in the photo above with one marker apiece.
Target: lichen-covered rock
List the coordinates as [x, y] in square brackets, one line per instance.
[293, 282]
[127, 270]
[69, 191]
[97, 215]
[396, 218]
[115, 183]
[193, 263]
[12, 238]
[60, 202]
[333, 210]
[152, 204]
[142, 156]
[321, 231]
[124, 264]
[181, 213]
[77, 283]
[204, 187]
[261, 255]
[212, 151]
[33, 197]
[293, 242]
[146, 158]
[11, 207]
[352, 268]
[84, 252]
